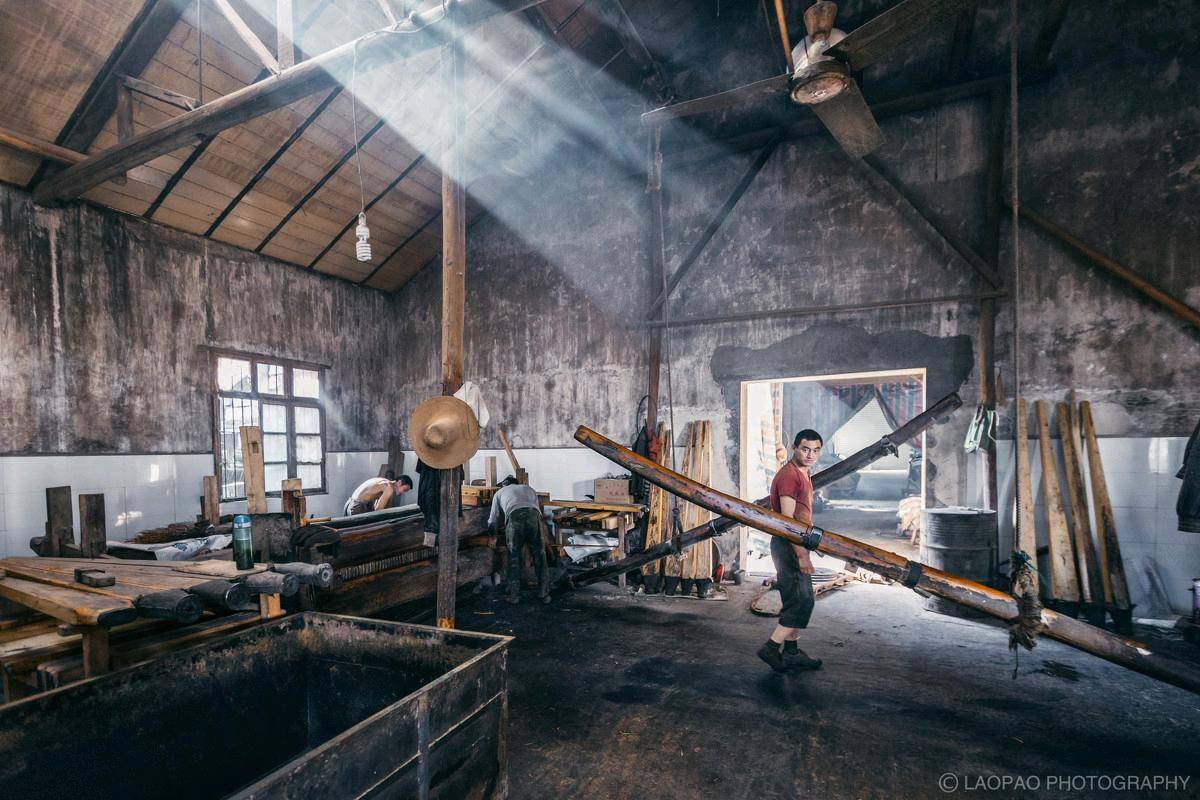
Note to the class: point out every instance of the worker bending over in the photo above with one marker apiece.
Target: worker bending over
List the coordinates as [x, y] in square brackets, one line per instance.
[522, 526]
[374, 494]
[792, 496]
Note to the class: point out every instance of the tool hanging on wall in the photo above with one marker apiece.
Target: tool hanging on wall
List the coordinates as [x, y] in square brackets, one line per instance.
[982, 430]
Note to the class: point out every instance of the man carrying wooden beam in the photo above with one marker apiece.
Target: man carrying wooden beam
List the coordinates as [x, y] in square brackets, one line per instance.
[518, 504]
[792, 496]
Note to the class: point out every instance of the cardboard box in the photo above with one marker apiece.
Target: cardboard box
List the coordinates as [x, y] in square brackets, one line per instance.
[612, 490]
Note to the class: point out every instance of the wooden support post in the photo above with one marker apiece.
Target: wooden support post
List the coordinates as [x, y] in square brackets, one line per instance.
[1024, 528]
[658, 274]
[989, 393]
[252, 469]
[489, 470]
[210, 501]
[1064, 584]
[96, 659]
[1112, 568]
[285, 41]
[454, 290]
[395, 455]
[59, 526]
[93, 542]
[292, 500]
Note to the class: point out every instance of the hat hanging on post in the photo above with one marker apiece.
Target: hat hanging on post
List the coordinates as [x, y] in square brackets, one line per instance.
[444, 432]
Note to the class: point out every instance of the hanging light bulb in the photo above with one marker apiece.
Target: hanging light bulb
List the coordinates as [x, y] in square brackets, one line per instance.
[363, 248]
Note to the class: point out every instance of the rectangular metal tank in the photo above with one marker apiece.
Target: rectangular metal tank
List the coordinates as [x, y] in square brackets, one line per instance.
[308, 706]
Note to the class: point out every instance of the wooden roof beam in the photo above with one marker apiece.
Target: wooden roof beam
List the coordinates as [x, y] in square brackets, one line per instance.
[431, 27]
[142, 39]
[38, 147]
[248, 36]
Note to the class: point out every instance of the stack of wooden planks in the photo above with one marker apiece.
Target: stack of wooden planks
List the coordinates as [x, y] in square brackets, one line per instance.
[1085, 570]
[694, 566]
[658, 521]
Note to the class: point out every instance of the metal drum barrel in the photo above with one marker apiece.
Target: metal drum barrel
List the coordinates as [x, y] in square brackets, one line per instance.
[961, 541]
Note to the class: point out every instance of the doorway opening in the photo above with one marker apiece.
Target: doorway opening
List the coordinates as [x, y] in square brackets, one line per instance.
[850, 411]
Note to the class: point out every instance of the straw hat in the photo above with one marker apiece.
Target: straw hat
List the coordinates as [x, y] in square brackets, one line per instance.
[444, 432]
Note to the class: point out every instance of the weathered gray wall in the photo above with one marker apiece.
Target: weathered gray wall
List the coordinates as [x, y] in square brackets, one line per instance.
[105, 318]
[1108, 147]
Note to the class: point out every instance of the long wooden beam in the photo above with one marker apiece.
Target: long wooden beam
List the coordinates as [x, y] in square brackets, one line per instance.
[716, 222]
[804, 311]
[1176, 306]
[248, 37]
[145, 35]
[1131, 654]
[39, 147]
[434, 25]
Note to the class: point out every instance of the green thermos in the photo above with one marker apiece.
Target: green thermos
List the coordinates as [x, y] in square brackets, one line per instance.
[243, 548]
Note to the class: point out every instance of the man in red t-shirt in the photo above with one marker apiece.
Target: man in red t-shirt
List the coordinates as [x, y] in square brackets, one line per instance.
[792, 496]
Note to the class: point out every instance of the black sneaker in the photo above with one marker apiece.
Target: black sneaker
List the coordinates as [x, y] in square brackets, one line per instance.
[771, 655]
[800, 660]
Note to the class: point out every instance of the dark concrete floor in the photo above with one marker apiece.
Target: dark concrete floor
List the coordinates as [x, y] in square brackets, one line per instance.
[615, 696]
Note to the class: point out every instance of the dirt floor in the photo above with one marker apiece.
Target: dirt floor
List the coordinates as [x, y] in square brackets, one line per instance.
[619, 696]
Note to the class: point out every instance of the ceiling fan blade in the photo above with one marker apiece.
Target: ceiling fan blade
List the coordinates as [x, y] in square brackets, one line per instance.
[878, 37]
[769, 87]
[850, 121]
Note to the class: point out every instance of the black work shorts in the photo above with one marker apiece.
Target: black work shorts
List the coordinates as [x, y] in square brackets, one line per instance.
[795, 587]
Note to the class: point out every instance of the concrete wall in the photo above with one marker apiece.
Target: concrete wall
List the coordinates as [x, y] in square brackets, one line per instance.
[1107, 148]
[105, 379]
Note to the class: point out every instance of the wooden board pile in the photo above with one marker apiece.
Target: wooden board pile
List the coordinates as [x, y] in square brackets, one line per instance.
[93, 614]
[1085, 570]
[658, 509]
[380, 561]
[693, 568]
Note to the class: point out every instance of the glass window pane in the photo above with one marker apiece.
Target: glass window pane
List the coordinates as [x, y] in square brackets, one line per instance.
[274, 476]
[306, 383]
[274, 418]
[270, 379]
[309, 475]
[308, 448]
[233, 375]
[235, 412]
[307, 420]
[274, 447]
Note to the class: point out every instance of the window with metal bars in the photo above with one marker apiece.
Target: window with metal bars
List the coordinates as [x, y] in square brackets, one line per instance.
[283, 398]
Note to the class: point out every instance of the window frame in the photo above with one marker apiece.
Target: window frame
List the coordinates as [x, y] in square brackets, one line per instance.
[288, 400]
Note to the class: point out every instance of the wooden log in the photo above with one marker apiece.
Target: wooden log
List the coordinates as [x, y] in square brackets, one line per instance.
[1091, 588]
[1024, 530]
[92, 539]
[1064, 583]
[286, 584]
[1134, 655]
[252, 469]
[59, 521]
[73, 606]
[1112, 567]
[173, 604]
[588, 505]
[713, 528]
[319, 575]
[222, 595]
[210, 501]
[658, 504]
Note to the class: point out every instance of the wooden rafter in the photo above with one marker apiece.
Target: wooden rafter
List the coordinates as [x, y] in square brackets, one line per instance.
[429, 28]
[142, 39]
[38, 147]
[194, 156]
[270, 162]
[248, 37]
[147, 89]
[416, 162]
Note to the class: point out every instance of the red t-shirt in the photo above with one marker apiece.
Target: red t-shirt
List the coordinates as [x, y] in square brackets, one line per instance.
[791, 482]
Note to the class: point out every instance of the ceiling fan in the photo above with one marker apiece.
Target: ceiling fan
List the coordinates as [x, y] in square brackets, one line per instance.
[820, 67]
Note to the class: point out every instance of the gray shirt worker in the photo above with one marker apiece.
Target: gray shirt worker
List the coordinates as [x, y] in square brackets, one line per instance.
[509, 498]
